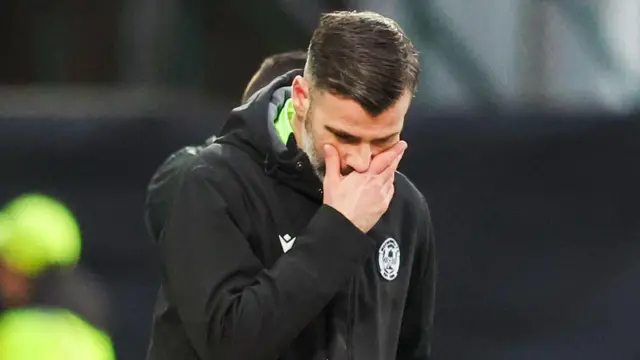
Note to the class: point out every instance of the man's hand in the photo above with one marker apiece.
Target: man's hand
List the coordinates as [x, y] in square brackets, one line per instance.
[362, 197]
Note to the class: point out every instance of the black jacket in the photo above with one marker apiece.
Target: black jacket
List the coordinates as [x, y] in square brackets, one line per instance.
[163, 184]
[255, 267]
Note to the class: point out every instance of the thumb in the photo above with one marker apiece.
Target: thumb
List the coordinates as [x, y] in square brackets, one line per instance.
[332, 161]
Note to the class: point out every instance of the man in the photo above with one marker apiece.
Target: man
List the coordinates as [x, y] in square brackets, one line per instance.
[292, 236]
[49, 308]
[271, 68]
[162, 185]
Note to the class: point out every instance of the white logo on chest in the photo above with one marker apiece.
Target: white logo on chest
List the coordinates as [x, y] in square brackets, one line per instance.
[287, 242]
[389, 259]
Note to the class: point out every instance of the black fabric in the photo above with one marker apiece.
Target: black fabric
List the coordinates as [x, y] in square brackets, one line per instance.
[160, 196]
[231, 291]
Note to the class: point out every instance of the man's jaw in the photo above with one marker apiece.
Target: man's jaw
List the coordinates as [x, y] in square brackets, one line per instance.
[320, 171]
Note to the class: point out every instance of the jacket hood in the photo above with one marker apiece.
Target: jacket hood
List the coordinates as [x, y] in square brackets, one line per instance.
[251, 128]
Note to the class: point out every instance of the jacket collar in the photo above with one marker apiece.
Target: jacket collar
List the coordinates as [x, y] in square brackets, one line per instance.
[251, 127]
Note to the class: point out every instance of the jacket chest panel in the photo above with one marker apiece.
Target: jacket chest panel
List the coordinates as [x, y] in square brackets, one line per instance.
[279, 215]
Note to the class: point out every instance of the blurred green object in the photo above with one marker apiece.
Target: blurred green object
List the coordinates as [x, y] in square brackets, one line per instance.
[27, 334]
[37, 232]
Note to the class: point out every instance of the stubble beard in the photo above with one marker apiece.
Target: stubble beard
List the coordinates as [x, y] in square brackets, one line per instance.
[309, 147]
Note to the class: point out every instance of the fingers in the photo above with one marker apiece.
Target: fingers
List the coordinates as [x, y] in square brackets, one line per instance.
[388, 174]
[332, 162]
[382, 161]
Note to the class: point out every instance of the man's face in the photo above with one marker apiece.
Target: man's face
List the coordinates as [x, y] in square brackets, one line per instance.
[324, 118]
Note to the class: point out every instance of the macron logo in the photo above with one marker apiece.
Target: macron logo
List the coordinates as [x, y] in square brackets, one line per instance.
[287, 242]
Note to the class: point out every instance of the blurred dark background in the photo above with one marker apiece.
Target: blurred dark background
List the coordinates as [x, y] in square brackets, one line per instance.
[524, 137]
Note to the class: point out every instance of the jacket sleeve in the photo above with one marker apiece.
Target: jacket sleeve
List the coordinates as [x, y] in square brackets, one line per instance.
[232, 307]
[417, 324]
[159, 194]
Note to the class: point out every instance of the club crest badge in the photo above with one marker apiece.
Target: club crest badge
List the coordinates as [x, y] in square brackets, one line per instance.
[389, 259]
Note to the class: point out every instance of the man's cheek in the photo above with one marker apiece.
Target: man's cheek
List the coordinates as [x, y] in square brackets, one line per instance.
[378, 149]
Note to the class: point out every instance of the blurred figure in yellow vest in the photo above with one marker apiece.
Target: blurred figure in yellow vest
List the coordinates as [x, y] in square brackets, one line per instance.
[40, 244]
[51, 334]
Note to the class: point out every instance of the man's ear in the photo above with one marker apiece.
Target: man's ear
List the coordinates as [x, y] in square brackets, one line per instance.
[300, 95]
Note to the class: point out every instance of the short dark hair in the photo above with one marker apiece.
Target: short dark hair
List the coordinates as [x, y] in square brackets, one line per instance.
[272, 67]
[362, 56]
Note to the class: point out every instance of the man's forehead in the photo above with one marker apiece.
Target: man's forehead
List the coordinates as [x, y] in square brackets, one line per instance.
[340, 103]
[348, 116]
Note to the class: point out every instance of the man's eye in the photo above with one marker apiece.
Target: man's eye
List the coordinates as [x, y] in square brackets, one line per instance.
[383, 143]
[346, 138]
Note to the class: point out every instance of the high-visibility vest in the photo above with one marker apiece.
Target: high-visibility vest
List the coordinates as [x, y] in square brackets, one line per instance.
[51, 334]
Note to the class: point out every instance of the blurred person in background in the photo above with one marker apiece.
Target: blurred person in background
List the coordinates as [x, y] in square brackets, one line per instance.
[162, 184]
[49, 307]
[271, 68]
[282, 240]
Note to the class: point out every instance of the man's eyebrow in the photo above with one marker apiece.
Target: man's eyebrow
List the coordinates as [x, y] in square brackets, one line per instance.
[342, 134]
[387, 138]
[345, 135]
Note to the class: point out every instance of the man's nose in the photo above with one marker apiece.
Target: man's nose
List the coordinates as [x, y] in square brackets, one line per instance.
[359, 159]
